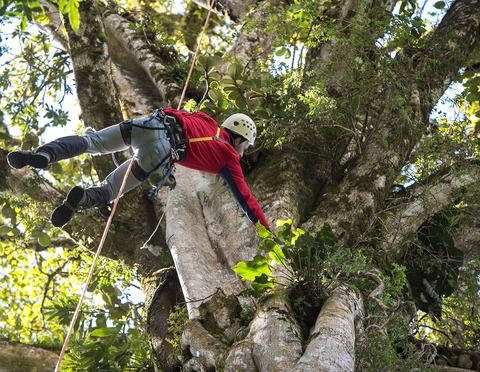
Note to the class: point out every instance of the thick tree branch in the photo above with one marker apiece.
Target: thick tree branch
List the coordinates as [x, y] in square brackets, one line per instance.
[448, 49]
[19, 357]
[55, 25]
[467, 238]
[93, 74]
[235, 9]
[424, 199]
[92, 68]
[162, 292]
[254, 43]
[331, 346]
[272, 331]
[125, 43]
[393, 136]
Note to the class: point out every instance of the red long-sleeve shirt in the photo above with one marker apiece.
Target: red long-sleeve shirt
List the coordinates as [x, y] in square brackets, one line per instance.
[216, 157]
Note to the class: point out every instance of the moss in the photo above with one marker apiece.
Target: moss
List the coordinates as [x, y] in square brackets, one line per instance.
[177, 319]
[102, 36]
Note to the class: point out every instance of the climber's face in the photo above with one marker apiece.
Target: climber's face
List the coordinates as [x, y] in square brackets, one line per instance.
[241, 147]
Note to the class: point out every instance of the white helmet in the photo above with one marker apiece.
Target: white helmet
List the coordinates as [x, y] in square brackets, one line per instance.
[242, 125]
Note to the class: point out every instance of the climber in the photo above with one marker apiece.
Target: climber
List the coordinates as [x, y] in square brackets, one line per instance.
[168, 136]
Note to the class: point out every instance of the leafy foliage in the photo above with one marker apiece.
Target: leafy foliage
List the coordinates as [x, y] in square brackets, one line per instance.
[117, 348]
[386, 347]
[460, 324]
[30, 10]
[292, 257]
[312, 265]
[39, 292]
[176, 323]
[293, 86]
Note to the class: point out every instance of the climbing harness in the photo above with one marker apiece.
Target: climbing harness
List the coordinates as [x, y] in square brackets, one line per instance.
[178, 145]
[110, 218]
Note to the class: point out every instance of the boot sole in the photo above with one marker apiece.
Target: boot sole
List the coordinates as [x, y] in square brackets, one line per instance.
[20, 159]
[62, 214]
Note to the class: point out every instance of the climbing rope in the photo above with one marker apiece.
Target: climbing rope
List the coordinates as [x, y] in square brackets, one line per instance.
[90, 274]
[197, 49]
[110, 218]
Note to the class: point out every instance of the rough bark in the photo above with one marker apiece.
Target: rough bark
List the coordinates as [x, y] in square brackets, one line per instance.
[23, 358]
[331, 346]
[201, 269]
[272, 331]
[207, 340]
[467, 237]
[254, 44]
[425, 199]
[235, 9]
[92, 68]
[162, 290]
[125, 44]
[438, 63]
[55, 24]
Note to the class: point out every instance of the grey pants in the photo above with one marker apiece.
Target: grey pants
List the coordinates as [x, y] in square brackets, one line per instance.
[150, 147]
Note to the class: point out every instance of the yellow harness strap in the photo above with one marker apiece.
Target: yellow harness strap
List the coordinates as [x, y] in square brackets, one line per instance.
[216, 137]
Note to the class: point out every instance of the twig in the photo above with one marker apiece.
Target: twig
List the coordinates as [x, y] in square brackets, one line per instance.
[373, 295]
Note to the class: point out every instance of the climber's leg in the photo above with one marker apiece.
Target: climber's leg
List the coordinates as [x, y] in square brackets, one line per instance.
[108, 140]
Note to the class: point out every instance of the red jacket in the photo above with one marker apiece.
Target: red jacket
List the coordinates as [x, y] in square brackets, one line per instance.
[216, 157]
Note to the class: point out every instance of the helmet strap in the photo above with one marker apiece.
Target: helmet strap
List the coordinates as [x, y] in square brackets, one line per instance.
[234, 136]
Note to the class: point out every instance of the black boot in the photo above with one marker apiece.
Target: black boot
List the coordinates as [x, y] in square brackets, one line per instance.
[20, 159]
[64, 212]
[80, 199]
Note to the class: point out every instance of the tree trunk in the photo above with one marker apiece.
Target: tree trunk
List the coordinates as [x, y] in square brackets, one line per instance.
[307, 180]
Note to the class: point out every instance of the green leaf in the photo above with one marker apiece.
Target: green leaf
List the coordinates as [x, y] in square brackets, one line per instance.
[4, 229]
[74, 17]
[23, 24]
[262, 231]
[266, 245]
[215, 95]
[439, 4]
[280, 52]
[44, 239]
[248, 270]
[281, 223]
[105, 332]
[235, 70]
[327, 235]
[208, 62]
[223, 104]
[227, 82]
[8, 212]
[236, 96]
[262, 283]
[277, 255]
